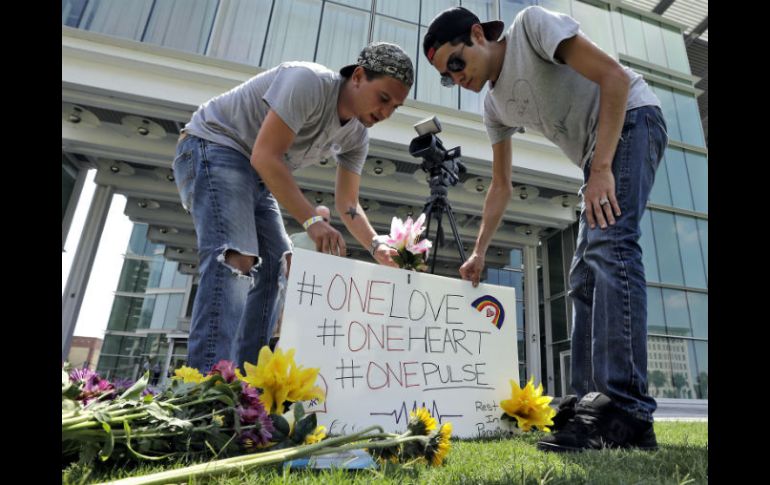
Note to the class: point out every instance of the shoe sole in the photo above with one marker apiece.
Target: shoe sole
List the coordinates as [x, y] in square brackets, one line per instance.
[569, 449]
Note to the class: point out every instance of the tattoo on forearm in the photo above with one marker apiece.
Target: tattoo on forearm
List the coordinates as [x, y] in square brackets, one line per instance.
[352, 212]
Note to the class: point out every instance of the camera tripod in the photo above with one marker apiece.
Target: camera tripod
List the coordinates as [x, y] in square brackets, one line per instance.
[436, 206]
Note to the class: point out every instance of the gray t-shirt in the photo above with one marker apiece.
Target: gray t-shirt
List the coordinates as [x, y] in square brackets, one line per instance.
[536, 91]
[304, 95]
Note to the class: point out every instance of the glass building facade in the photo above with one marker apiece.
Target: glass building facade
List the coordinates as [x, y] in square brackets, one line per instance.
[150, 304]
[262, 33]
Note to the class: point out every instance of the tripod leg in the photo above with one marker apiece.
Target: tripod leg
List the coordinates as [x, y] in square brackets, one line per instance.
[439, 216]
[453, 223]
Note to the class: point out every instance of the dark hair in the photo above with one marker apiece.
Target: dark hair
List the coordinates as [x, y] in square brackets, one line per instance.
[370, 75]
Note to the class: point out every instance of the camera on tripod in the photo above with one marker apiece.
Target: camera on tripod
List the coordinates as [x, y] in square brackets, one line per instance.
[444, 166]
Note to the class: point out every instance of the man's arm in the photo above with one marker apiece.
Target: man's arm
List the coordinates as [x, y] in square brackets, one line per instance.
[596, 65]
[353, 216]
[499, 194]
[274, 139]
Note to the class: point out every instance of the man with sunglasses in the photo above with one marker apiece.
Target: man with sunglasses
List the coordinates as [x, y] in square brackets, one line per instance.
[545, 75]
[234, 164]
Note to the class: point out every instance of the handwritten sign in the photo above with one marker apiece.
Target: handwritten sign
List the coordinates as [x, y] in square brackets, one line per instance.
[388, 341]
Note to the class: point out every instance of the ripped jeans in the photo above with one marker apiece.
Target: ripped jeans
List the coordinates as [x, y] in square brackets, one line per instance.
[234, 312]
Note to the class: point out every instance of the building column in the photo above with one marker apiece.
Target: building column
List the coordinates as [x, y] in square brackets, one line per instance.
[167, 364]
[532, 314]
[74, 291]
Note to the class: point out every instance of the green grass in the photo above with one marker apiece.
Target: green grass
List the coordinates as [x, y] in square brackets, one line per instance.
[681, 459]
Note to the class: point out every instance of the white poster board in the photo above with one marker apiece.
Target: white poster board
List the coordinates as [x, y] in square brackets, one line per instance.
[388, 340]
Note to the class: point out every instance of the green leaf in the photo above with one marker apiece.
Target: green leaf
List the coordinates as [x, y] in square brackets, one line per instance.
[134, 393]
[281, 426]
[299, 411]
[109, 443]
[304, 427]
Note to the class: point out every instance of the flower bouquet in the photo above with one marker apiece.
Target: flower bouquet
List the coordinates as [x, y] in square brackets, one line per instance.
[234, 420]
[404, 238]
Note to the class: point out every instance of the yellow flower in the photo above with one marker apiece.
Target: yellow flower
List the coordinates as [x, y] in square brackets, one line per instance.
[317, 435]
[438, 445]
[218, 419]
[281, 380]
[188, 374]
[421, 423]
[529, 406]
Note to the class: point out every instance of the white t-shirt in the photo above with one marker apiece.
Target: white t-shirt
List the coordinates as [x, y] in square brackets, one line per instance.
[538, 92]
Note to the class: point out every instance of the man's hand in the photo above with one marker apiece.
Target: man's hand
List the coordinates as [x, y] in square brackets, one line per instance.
[472, 268]
[384, 255]
[327, 239]
[599, 198]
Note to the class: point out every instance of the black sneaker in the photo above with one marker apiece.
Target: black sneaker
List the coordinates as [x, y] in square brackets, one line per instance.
[564, 412]
[598, 424]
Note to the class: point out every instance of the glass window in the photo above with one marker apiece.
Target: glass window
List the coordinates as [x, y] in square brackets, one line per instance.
[689, 245]
[661, 191]
[656, 320]
[703, 231]
[595, 23]
[689, 118]
[117, 17]
[617, 29]
[667, 246]
[400, 9]
[167, 274]
[239, 30]
[558, 320]
[673, 42]
[698, 304]
[173, 310]
[431, 8]
[658, 366]
[138, 240]
[632, 28]
[701, 380]
[509, 9]
[71, 10]
[156, 270]
[473, 102]
[181, 24]
[556, 5]
[555, 265]
[429, 88]
[402, 33]
[145, 316]
[485, 10]
[677, 315]
[364, 4]
[647, 242]
[134, 276]
[698, 170]
[285, 42]
[516, 257]
[125, 313]
[653, 41]
[344, 32]
[678, 178]
[666, 97]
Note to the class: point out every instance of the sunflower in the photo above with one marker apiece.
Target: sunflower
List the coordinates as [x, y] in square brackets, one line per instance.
[529, 407]
[438, 445]
[421, 423]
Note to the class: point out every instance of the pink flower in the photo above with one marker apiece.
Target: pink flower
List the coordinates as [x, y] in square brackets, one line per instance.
[420, 247]
[225, 368]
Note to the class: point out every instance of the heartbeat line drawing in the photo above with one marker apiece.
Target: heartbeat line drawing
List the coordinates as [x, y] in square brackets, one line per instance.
[403, 412]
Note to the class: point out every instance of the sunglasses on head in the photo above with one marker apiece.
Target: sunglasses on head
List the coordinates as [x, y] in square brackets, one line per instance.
[455, 63]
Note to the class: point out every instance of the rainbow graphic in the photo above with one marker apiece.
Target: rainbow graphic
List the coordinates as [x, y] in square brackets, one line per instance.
[491, 307]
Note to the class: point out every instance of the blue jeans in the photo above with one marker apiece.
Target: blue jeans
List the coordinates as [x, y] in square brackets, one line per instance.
[607, 282]
[234, 312]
